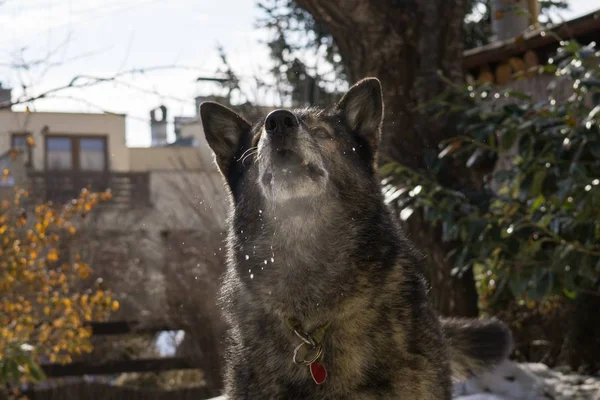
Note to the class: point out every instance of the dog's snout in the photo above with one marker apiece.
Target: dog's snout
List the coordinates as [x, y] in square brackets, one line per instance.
[281, 122]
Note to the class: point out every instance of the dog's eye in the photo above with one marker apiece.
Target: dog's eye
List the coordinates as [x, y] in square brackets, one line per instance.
[320, 132]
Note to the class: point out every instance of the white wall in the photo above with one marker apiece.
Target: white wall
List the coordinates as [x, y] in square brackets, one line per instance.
[110, 125]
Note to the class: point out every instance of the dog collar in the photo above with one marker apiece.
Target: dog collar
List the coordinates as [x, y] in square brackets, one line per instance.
[310, 351]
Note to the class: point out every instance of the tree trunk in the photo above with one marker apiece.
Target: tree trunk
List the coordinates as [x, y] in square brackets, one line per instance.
[582, 345]
[407, 44]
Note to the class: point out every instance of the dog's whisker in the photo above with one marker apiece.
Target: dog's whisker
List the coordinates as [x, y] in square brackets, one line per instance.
[248, 156]
[248, 153]
[249, 150]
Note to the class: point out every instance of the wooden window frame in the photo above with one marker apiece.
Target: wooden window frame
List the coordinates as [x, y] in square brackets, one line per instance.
[75, 149]
[29, 150]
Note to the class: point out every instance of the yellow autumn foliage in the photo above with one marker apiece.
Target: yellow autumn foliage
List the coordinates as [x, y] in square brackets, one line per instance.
[43, 306]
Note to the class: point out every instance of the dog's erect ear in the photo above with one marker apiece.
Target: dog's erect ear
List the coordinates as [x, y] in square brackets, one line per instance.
[223, 129]
[362, 110]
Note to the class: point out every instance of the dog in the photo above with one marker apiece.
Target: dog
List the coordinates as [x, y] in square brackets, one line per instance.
[323, 295]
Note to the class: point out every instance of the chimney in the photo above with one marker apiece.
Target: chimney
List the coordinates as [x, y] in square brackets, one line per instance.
[158, 127]
[5, 97]
[510, 18]
[177, 122]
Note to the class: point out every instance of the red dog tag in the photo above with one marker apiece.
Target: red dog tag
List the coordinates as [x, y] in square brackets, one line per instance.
[318, 372]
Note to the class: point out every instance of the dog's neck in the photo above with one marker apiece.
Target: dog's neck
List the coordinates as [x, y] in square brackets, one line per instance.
[302, 234]
[302, 261]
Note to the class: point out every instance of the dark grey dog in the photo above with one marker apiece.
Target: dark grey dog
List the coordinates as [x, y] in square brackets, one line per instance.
[324, 296]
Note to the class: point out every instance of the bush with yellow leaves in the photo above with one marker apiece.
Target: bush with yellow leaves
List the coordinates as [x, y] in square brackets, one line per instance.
[45, 304]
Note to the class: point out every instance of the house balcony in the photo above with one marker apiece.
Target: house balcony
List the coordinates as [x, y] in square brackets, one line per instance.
[128, 189]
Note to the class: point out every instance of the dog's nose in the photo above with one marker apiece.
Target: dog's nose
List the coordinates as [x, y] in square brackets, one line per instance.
[281, 122]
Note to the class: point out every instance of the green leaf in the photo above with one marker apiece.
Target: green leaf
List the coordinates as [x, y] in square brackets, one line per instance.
[507, 140]
[538, 182]
[518, 95]
[517, 284]
[586, 269]
[451, 148]
[542, 282]
[10, 372]
[571, 46]
[544, 221]
[592, 114]
[525, 125]
[492, 139]
[37, 374]
[537, 203]
[590, 82]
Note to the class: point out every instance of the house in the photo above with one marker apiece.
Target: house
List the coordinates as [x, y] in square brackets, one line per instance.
[65, 152]
[513, 63]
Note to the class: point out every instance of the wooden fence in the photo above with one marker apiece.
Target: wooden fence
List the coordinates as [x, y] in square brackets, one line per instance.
[79, 390]
[129, 189]
[112, 367]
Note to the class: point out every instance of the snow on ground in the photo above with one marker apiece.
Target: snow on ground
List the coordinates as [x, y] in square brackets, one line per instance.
[512, 381]
[528, 381]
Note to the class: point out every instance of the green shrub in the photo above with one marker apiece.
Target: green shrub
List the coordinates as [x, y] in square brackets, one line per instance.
[534, 229]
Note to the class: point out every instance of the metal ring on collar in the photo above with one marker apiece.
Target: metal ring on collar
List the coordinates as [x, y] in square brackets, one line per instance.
[305, 337]
[318, 352]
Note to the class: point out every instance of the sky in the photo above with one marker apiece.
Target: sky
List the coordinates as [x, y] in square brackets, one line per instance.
[173, 41]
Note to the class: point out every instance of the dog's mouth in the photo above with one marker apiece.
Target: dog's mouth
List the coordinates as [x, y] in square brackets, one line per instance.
[287, 164]
[288, 159]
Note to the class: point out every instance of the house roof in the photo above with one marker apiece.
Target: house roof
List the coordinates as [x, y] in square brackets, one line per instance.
[585, 28]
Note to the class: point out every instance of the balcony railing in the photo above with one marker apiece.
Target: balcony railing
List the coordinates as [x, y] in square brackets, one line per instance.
[129, 189]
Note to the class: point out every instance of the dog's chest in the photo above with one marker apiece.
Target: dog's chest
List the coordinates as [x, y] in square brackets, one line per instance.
[348, 357]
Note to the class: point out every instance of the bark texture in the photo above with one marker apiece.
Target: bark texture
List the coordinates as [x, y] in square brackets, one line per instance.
[407, 44]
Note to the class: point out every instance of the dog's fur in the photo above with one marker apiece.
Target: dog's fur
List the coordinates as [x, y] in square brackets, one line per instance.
[310, 238]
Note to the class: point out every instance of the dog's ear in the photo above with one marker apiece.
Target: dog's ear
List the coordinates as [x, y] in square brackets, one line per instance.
[361, 109]
[223, 129]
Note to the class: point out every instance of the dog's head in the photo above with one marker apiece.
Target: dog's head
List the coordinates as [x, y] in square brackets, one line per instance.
[299, 155]
[307, 200]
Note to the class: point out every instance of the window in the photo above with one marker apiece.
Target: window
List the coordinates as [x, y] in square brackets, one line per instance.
[19, 141]
[59, 153]
[76, 153]
[92, 154]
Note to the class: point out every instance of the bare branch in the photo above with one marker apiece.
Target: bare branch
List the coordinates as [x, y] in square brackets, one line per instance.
[85, 81]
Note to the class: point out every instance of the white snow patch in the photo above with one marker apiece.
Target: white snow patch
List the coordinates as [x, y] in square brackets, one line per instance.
[533, 381]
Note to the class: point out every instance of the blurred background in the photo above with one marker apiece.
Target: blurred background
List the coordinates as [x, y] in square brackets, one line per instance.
[113, 212]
